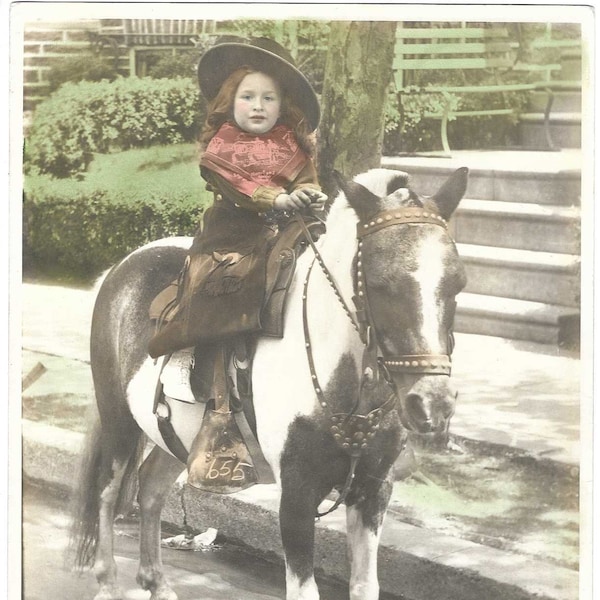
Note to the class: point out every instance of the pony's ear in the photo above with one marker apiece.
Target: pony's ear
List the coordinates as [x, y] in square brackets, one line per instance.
[363, 201]
[451, 192]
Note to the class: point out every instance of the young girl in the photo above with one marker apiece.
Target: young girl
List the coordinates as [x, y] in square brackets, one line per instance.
[257, 161]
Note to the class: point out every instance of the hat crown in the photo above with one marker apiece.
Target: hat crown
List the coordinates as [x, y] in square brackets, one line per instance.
[273, 47]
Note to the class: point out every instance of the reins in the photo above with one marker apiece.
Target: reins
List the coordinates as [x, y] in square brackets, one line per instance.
[352, 432]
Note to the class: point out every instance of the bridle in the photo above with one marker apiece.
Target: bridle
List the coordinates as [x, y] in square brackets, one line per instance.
[421, 364]
[351, 431]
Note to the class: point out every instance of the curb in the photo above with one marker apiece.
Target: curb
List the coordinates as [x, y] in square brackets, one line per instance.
[414, 562]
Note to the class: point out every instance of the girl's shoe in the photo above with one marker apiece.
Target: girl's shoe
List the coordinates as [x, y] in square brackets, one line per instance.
[175, 376]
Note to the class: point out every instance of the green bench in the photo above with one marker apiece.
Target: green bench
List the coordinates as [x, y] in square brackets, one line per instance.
[458, 49]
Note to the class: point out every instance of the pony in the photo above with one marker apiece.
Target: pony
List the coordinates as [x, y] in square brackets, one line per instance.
[334, 397]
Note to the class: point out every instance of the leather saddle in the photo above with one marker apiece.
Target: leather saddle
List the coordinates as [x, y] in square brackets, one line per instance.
[219, 316]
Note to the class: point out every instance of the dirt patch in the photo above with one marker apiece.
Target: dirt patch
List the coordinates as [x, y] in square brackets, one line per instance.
[498, 498]
[69, 411]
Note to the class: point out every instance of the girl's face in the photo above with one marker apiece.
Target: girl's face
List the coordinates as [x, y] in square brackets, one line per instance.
[257, 103]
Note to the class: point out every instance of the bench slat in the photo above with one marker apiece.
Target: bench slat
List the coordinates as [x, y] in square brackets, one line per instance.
[454, 33]
[406, 64]
[469, 113]
[454, 48]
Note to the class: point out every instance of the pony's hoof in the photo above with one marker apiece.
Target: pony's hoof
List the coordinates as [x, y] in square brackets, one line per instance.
[109, 592]
[163, 593]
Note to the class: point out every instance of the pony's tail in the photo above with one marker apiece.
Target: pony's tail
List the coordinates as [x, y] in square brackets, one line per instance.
[81, 552]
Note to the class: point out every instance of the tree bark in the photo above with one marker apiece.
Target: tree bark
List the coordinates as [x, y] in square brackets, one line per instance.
[358, 72]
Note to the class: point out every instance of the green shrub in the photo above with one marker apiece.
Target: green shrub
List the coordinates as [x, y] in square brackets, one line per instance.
[84, 233]
[84, 67]
[82, 118]
[407, 129]
[79, 228]
[168, 65]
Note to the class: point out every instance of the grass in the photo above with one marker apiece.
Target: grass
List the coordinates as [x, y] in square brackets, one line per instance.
[497, 500]
[154, 172]
[168, 169]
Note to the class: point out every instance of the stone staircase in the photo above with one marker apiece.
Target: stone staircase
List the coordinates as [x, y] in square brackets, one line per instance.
[518, 227]
[517, 231]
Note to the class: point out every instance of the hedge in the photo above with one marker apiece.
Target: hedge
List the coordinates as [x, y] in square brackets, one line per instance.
[87, 232]
[82, 118]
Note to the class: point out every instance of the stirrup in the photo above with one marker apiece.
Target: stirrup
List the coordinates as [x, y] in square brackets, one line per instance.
[176, 376]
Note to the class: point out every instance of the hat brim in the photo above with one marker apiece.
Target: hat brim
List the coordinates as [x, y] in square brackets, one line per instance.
[221, 60]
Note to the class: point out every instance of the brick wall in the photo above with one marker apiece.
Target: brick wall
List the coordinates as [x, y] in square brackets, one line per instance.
[46, 43]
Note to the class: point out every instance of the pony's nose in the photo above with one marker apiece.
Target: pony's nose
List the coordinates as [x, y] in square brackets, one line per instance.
[429, 404]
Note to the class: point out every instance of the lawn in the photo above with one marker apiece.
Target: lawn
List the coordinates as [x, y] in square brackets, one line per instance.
[157, 172]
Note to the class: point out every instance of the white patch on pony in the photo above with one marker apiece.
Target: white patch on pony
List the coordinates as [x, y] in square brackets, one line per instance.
[186, 418]
[362, 545]
[110, 493]
[294, 590]
[430, 257]
[283, 388]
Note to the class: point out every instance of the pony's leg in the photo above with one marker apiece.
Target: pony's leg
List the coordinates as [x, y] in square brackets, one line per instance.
[297, 521]
[114, 468]
[157, 474]
[364, 522]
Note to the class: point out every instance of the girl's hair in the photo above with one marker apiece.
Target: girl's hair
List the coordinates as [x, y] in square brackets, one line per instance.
[221, 110]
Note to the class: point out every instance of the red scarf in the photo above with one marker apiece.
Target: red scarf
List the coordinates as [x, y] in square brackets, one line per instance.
[248, 161]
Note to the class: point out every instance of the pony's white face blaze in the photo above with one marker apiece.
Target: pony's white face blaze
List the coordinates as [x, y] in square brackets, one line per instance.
[428, 277]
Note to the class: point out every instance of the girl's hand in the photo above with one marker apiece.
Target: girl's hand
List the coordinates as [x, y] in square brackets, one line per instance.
[288, 202]
[317, 199]
[300, 198]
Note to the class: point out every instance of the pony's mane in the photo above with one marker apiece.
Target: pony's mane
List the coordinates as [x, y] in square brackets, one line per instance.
[380, 182]
[383, 182]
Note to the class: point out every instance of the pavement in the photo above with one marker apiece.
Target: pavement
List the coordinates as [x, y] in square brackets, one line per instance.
[527, 398]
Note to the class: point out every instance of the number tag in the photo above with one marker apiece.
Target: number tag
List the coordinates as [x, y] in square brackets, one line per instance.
[227, 469]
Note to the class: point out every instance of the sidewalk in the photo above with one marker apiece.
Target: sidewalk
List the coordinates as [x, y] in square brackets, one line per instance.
[521, 395]
[525, 397]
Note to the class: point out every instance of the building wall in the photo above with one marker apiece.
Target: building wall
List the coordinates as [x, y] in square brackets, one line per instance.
[45, 44]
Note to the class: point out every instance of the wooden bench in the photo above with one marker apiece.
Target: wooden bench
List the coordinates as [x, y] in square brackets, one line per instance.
[455, 49]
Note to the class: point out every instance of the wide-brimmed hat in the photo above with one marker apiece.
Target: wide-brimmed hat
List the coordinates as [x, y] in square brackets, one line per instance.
[262, 54]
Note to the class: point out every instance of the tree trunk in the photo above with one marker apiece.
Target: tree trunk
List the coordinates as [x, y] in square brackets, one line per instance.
[358, 72]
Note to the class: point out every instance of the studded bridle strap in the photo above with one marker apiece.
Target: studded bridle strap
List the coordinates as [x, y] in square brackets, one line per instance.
[399, 216]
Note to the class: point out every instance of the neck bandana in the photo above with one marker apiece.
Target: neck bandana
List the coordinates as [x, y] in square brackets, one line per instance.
[248, 161]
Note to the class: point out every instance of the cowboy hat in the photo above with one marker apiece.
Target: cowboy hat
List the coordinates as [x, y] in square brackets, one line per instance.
[265, 55]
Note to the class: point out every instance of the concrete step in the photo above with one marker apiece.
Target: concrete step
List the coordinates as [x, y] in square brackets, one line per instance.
[565, 130]
[523, 226]
[549, 178]
[563, 102]
[517, 319]
[543, 277]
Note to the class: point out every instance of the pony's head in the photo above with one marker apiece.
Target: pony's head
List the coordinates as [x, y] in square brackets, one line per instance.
[407, 276]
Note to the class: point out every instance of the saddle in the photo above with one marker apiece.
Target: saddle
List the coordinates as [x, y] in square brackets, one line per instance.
[225, 455]
[223, 294]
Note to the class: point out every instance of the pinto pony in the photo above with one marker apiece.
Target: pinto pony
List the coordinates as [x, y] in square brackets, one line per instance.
[333, 398]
